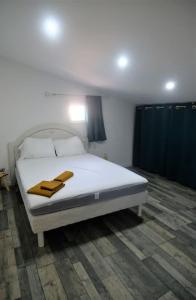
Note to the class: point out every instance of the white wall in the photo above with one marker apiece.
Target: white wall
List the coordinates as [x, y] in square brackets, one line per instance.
[24, 105]
[118, 117]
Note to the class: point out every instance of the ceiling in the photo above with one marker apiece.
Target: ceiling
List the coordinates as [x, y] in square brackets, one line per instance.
[157, 36]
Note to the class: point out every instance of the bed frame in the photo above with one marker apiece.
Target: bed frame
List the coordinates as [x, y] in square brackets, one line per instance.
[40, 224]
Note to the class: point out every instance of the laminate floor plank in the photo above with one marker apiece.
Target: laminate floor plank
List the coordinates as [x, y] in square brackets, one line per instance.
[51, 283]
[101, 242]
[24, 284]
[7, 255]
[152, 235]
[126, 279]
[70, 251]
[70, 279]
[142, 279]
[35, 283]
[13, 228]
[11, 281]
[168, 280]
[171, 220]
[175, 274]
[94, 257]
[119, 256]
[184, 247]
[190, 214]
[136, 237]
[43, 256]
[116, 289]
[86, 281]
[96, 280]
[85, 297]
[3, 220]
[142, 241]
[131, 246]
[7, 199]
[165, 234]
[1, 201]
[178, 255]
[168, 296]
[189, 231]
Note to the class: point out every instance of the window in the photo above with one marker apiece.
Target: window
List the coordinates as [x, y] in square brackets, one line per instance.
[77, 113]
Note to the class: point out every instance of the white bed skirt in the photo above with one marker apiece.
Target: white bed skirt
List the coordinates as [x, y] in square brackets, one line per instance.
[74, 215]
[61, 218]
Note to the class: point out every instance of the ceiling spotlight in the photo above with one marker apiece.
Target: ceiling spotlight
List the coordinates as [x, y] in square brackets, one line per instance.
[170, 85]
[122, 62]
[51, 27]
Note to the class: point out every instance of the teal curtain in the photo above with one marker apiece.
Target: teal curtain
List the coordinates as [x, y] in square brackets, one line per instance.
[95, 122]
[165, 141]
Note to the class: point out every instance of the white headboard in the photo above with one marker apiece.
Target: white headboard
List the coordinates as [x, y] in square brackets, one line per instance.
[54, 130]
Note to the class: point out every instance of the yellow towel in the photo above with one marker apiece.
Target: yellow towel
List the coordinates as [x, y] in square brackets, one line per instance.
[37, 190]
[64, 176]
[51, 185]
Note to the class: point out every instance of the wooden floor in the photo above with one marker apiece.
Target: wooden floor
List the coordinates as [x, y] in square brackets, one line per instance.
[119, 256]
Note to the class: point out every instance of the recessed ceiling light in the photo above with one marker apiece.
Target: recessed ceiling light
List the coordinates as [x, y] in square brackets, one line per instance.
[51, 27]
[122, 62]
[170, 85]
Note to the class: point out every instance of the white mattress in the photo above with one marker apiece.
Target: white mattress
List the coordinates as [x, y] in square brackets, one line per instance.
[93, 177]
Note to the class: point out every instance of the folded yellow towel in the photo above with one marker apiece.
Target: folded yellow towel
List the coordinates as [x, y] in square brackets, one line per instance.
[37, 190]
[51, 185]
[64, 176]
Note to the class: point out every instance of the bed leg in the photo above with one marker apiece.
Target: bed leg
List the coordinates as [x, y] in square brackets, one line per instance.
[40, 238]
[140, 210]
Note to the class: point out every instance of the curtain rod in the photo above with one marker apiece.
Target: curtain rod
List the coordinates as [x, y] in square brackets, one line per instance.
[51, 94]
[166, 106]
[180, 106]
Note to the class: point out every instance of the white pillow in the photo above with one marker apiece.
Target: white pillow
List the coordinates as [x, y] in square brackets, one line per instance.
[37, 147]
[69, 147]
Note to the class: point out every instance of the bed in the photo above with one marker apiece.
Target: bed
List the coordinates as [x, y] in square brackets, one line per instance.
[98, 187]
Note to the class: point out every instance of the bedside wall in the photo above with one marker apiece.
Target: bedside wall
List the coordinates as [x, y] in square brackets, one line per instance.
[24, 105]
